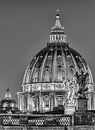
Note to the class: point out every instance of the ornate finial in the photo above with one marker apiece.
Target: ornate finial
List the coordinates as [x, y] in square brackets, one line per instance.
[7, 93]
[57, 13]
[57, 31]
[57, 22]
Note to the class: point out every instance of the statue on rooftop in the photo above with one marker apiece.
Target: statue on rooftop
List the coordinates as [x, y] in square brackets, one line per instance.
[82, 81]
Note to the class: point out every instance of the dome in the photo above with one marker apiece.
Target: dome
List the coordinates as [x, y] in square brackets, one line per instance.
[57, 62]
[55, 77]
[8, 105]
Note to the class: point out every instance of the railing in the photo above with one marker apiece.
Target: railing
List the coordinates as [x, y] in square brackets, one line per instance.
[84, 118]
[10, 120]
[35, 120]
[48, 120]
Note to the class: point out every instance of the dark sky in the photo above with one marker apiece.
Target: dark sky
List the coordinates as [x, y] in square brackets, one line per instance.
[25, 28]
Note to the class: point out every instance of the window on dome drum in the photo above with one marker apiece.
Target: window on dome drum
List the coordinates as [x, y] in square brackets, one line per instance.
[46, 102]
[59, 72]
[47, 75]
[59, 57]
[71, 70]
[36, 73]
[59, 100]
[36, 80]
[49, 56]
[34, 103]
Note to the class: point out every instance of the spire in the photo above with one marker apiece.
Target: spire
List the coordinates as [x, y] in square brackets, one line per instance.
[57, 22]
[57, 31]
[7, 93]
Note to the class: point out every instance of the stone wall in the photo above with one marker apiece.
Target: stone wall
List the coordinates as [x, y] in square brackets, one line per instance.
[35, 128]
[11, 128]
[84, 127]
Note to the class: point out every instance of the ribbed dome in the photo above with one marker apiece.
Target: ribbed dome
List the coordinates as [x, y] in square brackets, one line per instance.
[55, 77]
[55, 63]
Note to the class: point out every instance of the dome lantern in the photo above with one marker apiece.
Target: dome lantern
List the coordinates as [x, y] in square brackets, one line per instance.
[7, 93]
[57, 31]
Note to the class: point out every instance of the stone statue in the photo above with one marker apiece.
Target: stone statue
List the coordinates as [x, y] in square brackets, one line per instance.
[81, 81]
[71, 92]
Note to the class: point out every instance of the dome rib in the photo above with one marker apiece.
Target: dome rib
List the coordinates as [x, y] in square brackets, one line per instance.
[42, 68]
[64, 61]
[32, 71]
[76, 67]
[44, 65]
[54, 64]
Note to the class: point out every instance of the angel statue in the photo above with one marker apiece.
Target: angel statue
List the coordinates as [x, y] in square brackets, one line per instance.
[81, 81]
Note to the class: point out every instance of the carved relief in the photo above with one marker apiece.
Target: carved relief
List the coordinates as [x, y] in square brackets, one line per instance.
[60, 86]
[46, 87]
[36, 87]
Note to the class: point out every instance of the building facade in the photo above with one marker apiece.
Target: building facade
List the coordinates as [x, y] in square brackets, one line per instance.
[58, 90]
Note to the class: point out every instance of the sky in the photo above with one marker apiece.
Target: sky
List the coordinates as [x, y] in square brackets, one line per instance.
[25, 26]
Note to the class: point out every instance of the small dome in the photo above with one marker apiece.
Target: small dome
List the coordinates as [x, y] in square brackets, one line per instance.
[8, 105]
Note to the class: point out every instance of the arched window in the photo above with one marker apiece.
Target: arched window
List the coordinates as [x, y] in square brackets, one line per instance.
[47, 74]
[46, 103]
[59, 72]
[71, 70]
[34, 103]
[59, 100]
[36, 75]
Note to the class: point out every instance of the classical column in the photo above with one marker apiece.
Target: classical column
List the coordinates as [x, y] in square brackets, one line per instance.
[22, 104]
[19, 100]
[51, 100]
[37, 101]
[93, 101]
[28, 102]
[40, 102]
[89, 95]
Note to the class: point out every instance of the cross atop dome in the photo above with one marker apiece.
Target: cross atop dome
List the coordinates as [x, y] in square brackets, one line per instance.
[57, 31]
